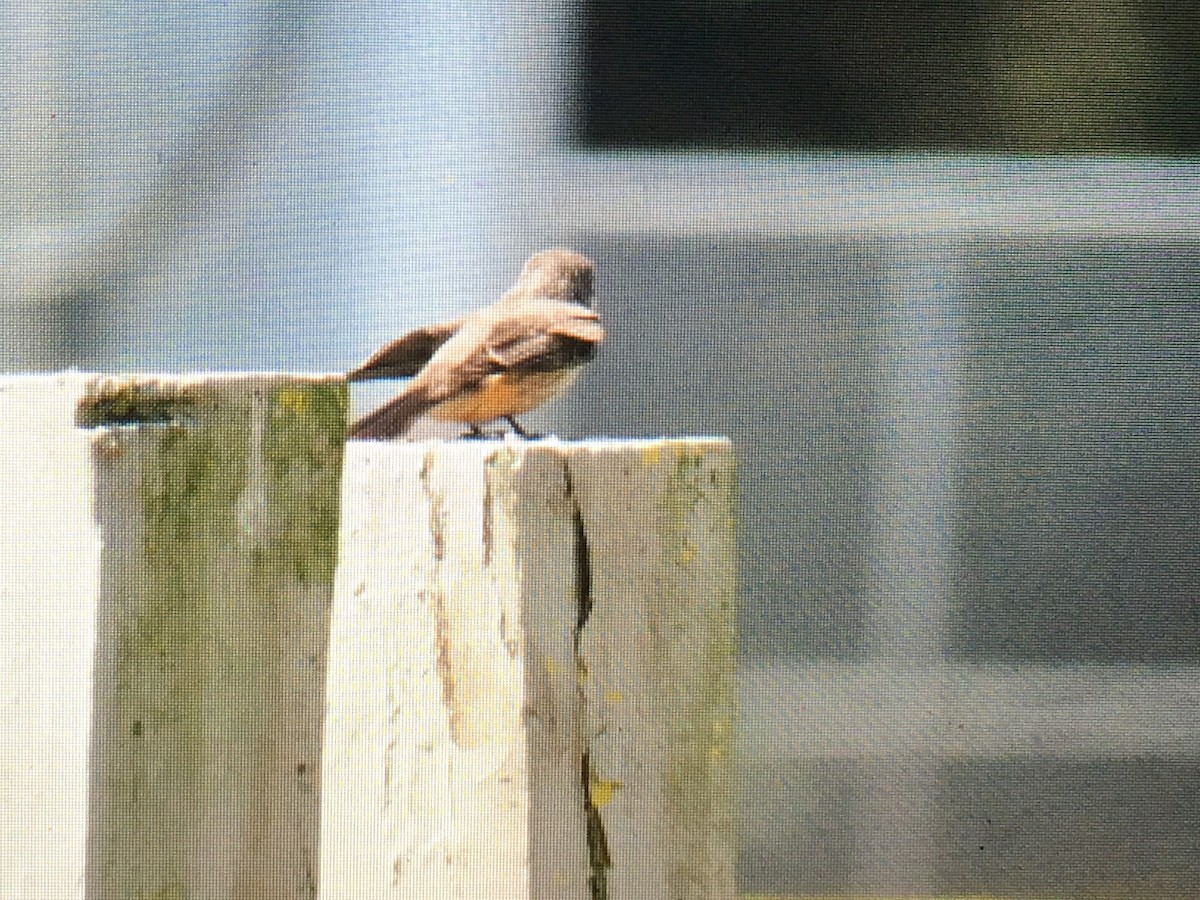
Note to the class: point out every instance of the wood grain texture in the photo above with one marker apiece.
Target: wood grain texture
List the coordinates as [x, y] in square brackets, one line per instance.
[531, 684]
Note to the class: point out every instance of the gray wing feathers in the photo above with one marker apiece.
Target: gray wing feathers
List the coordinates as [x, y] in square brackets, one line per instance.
[567, 336]
[405, 356]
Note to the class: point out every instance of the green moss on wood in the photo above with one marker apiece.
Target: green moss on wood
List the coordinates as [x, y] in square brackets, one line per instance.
[303, 447]
[697, 527]
[239, 509]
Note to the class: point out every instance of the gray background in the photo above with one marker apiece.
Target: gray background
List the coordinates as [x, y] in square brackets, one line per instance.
[963, 390]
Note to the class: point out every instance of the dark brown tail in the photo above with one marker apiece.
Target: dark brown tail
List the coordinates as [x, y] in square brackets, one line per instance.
[393, 418]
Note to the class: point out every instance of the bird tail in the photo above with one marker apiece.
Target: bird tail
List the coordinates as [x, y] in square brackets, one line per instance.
[393, 418]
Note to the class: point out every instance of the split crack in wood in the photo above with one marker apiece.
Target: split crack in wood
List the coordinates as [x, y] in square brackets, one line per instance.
[436, 600]
[599, 859]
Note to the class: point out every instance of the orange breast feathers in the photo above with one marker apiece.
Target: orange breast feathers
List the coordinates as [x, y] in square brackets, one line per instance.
[504, 394]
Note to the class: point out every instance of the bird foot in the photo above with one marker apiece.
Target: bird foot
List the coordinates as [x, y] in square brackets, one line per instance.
[519, 431]
[475, 433]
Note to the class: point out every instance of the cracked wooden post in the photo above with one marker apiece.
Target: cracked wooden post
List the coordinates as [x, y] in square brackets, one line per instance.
[531, 675]
[166, 569]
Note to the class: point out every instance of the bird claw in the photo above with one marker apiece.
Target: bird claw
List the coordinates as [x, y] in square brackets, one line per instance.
[475, 433]
[519, 431]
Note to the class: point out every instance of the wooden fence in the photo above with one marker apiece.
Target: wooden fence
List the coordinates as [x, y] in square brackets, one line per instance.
[240, 658]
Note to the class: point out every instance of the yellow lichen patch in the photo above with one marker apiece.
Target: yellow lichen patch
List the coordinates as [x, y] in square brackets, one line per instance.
[292, 399]
[651, 454]
[602, 791]
[613, 697]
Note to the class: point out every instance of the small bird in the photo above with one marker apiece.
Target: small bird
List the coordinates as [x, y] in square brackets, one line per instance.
[495, 363]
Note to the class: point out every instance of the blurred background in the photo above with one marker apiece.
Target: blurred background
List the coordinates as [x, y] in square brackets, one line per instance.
[933, 266]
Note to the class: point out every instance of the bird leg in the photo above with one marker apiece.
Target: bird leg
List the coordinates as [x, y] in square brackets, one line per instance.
[518, 430]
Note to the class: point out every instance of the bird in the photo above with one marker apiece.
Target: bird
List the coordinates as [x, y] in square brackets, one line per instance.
[494, 363]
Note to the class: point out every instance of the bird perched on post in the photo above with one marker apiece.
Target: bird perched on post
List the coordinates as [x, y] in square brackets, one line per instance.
[495, 363]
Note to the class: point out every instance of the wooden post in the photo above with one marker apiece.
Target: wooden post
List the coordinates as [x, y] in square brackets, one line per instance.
[168, 572]
[531, 676]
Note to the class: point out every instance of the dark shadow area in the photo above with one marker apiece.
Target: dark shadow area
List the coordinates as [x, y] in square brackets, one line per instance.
[847, 75]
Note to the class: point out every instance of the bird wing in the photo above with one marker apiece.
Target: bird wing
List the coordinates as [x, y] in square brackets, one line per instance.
[534, 337]
[404, 357]
[563, 335]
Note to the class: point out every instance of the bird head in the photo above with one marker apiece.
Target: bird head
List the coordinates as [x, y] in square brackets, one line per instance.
[558, 274]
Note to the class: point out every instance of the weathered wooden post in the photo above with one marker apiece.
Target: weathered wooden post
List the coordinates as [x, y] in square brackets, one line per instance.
[531, 676]
[166, 572]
